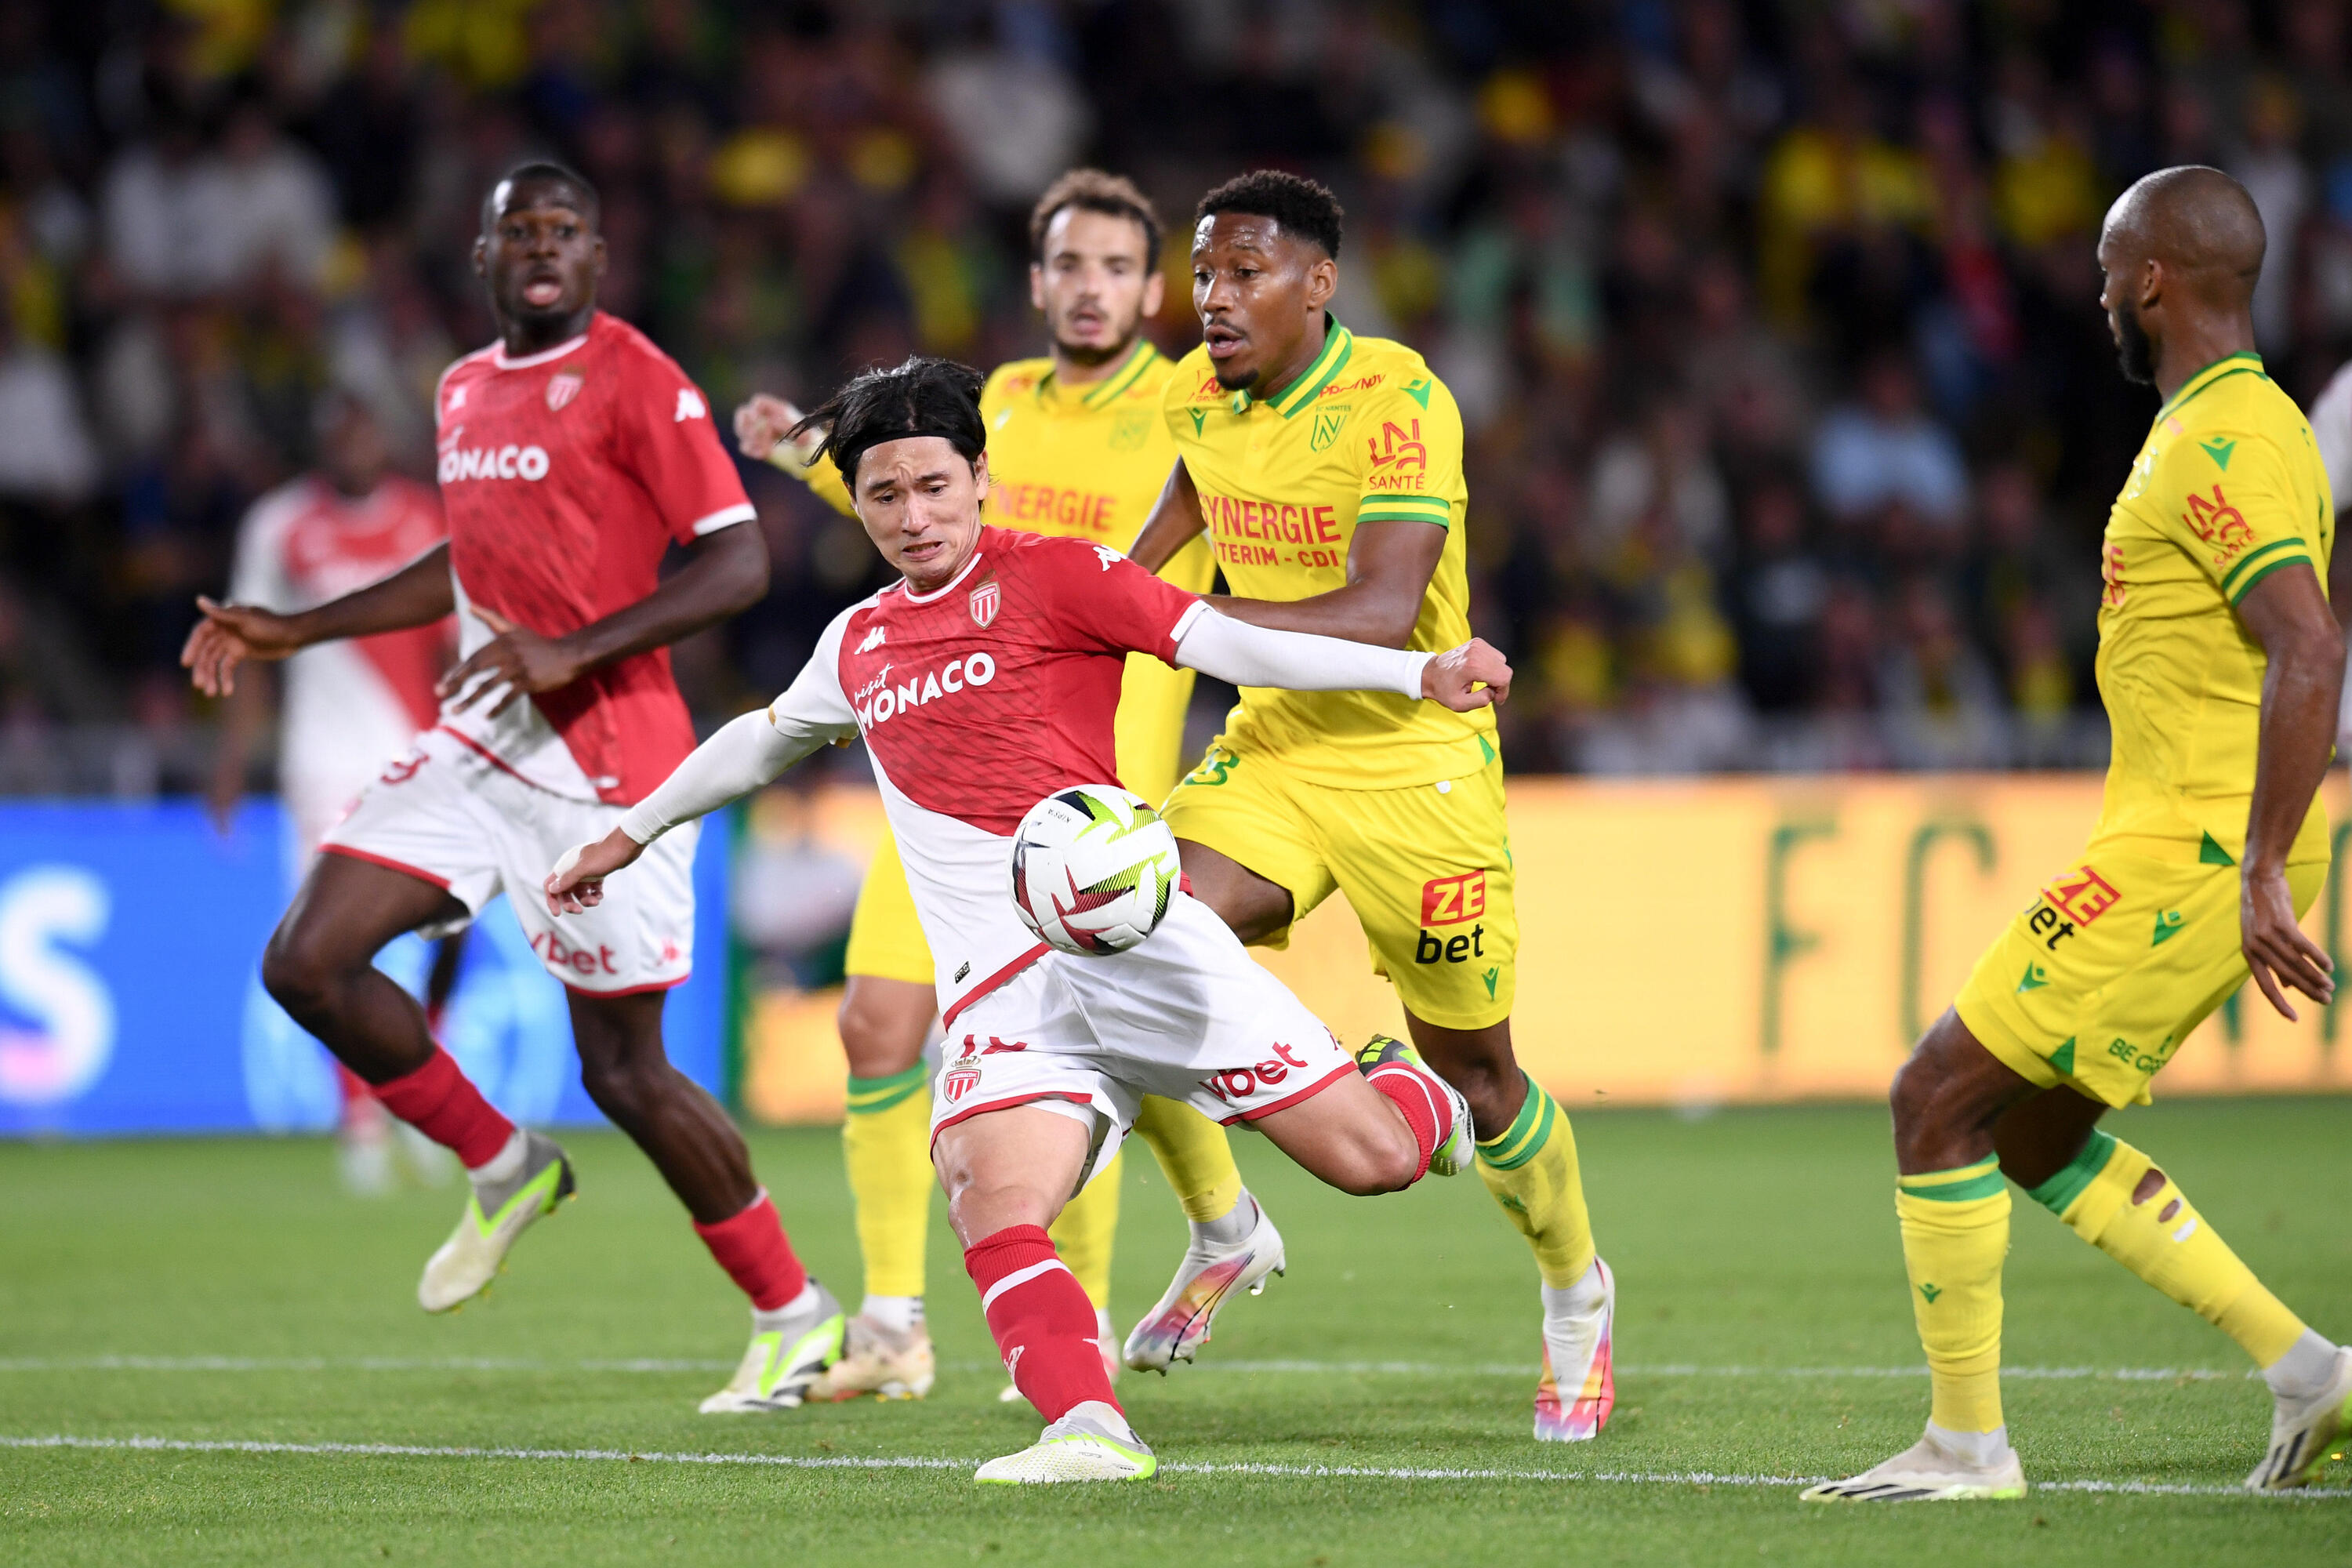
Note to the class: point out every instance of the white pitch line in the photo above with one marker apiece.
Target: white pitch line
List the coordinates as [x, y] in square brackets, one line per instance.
[202, 1364]
[929, 1462]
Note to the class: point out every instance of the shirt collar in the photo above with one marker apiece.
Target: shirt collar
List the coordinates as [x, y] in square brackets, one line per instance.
[1338, 344]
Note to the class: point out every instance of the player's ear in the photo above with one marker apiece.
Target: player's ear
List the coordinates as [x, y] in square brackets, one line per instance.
[980, 476]
[599, 263]
[481, 256]
[1036, 285]
[1155, 292]
[1322, 282]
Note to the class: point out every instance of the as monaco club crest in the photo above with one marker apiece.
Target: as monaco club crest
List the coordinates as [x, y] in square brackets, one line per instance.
[563, 387]
[986, 599]
[959, 1082]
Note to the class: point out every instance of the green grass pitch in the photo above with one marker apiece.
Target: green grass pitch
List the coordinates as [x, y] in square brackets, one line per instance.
[227, 1292]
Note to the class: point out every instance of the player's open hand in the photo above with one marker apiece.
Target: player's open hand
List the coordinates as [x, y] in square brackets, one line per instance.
[516, 662]
[228, 635]
[2282, 958]
[577, 883]
[762, 423]
[1475, 675]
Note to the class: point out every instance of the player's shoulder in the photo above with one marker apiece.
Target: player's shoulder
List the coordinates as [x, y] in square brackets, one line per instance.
[2237, 424]
[609, 337]
[275, 509]
[465, 367]
[1383, 368]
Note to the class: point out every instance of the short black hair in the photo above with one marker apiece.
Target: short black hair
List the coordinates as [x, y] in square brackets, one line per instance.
[1095, 191]
[543, 171]
[923, 395]
[1297, 204]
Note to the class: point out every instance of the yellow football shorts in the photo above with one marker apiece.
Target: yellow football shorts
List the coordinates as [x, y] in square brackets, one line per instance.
[886, 940]
[1148, 728]
[2099, 980]
[1426, 869]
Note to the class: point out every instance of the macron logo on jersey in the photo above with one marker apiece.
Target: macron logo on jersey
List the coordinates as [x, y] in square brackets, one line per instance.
[973, 670]
[873, 640]
[689, 405]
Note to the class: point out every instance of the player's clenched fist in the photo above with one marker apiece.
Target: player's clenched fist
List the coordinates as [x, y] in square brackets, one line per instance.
[762, 423]
[229, 633]
[577, 883]
[1475, 675]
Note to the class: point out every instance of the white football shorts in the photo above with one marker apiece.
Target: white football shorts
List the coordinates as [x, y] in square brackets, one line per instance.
[1186, 1014]
[451, 816]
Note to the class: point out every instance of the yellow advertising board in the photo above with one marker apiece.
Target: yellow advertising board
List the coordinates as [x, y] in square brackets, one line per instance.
[1720, 941]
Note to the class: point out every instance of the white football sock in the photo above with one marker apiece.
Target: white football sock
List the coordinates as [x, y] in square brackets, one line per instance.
[1562, 1303]
[899, 1314]
[770, 1322]
[1981, 1450]
[503, 1166]
[2307, 1367]
[1231, 1230]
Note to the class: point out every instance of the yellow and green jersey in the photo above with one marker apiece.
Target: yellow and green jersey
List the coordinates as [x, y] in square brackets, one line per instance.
[1367, 434]
[1083, 462]
[2228, 489]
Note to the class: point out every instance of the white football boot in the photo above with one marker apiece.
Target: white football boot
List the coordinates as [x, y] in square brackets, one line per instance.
[877, 1359]
[497, 1214]
[1092, 1443]
[790, 1348]
[2302, 1430]
[1209, 1276]
[1928, 1471]
[1578, 1387]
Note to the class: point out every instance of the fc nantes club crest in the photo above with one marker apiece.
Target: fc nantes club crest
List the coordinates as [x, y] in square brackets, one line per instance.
[1129, 430]
[1328, 423]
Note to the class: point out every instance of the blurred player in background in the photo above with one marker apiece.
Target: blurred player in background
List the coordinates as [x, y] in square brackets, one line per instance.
[344, 708]
[1078, 448]
[2222, 669]
[1325, 469]
[983, 681]
[573, 454]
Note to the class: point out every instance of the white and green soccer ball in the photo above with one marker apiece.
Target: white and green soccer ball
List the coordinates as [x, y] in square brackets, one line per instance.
[1094, 869]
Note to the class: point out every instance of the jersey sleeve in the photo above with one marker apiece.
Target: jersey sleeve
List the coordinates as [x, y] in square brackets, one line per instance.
[813, 707]
[258, 574]
[662, 437]
[1102, 601]
[2229, 501]
[1406, 439]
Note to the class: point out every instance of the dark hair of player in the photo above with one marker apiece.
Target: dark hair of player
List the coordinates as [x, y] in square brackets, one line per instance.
[541, 172]
[923, 395]
[1095, 191]
[1297, 204]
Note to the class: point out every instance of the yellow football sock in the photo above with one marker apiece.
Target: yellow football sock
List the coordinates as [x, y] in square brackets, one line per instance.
[2164, 1241]
[1955, 1234]
[1530, 1167]
[886, 1143]
[1083, 1232]
[1194, 1156]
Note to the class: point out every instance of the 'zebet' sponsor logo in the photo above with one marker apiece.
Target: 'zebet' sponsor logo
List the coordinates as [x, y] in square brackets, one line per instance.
[972, 670]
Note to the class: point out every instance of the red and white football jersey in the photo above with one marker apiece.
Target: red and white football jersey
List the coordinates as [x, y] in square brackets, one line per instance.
[976, 702]
[566, 475]
[345, 708]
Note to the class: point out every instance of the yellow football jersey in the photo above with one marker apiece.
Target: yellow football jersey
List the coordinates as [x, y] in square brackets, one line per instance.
[1084, 463]
[1367, 434]
[2228, 489]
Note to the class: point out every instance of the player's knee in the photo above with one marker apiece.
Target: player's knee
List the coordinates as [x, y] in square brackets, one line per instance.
[298, 972]
[624, 1091]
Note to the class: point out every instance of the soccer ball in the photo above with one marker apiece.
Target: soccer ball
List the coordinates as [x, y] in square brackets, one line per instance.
[1093, 869]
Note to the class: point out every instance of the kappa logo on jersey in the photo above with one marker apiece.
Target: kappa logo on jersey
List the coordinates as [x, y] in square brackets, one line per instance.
[2083, 894]
[1450, 901]
[563, 387]
[2217, 523]
[508, 462]
[1108, 556]
[985, 601]
[456, 398]
[689, 405]
[974, 669]
[872, 640]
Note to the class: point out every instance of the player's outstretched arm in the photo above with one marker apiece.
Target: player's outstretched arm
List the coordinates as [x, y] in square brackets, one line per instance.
[1388, 568]
[763, 427]
[416, 595]
[1475, 675]
[725, 574]
[1175, 519]
[2287, 612]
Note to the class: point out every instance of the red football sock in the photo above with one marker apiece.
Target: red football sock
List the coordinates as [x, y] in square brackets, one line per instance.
[1044, 1324]
[441, 1102]
[751, 1248]
[1426, 1109]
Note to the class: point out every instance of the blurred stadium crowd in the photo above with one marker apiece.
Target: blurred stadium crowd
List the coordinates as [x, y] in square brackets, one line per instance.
[1793, 418]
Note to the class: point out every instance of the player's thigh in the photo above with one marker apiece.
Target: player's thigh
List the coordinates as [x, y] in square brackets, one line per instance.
[1026, 1043]
[2097, 983]
[885, 939]
[1149, 727]
[1347, 1134]
[640, 938]
[427, 814]
[1428, 872]
[1239, 805]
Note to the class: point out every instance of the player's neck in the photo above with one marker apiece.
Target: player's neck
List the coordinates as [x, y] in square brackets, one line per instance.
[523, 338]
[1071, 372]
[2188, 349]
[1272, 385]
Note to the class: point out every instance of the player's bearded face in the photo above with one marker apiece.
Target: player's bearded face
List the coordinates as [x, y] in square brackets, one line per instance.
[919, 500]
[1095, 285]
[2133, 348]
